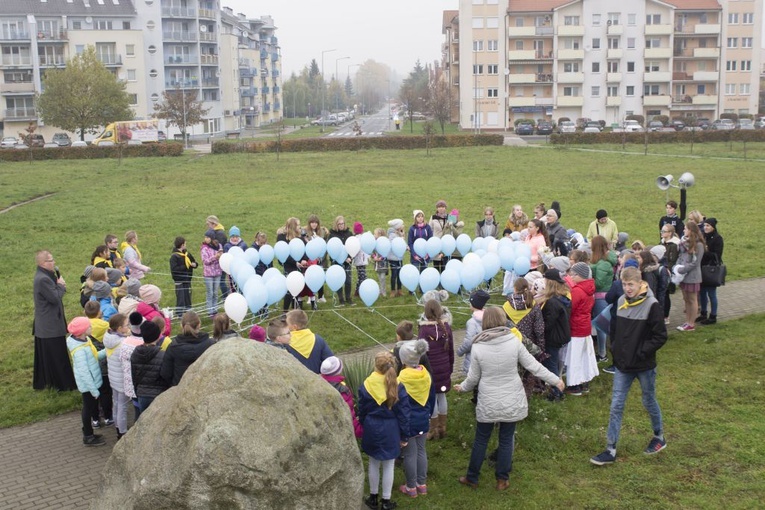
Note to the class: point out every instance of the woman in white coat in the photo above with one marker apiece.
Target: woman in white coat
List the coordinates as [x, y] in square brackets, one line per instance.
[501, 398]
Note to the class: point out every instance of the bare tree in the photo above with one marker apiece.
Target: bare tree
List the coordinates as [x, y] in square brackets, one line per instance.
[440, 103]
[181, 108]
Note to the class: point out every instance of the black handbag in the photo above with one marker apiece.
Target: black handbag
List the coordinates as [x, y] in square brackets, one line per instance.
[713, 274]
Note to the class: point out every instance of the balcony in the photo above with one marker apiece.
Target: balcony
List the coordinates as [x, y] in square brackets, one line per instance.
[705, 100]
[521, 78]
[180, 36]
[16, 60]
[248, 91]
[263, 54]
[570, 30]
[181, 84]
[207, 13]
[570, 77]
[521, 55]
[208, 37]
[13, 35]
[706, 52]
[179, 12]
[706, 29]
[50, 61]
[686, 99]
[613, 77]
[274, 57]
[521, 101]
[210, 83]
[570, 54]
[660, 100]
[244, 62]
[705, 76]
[570, 101]
[659, 29]
[544, 78]
[110, 60]
[543, 101]
[182, 60]
[614, 101]
[521, 32]
[658, 53]
[657, 76]
[245, 72]
[24, 88]
[277, 106]
[615, 53]
[210, 60]
[616, 30]
[275, 73]
[277, 90]
[52, 35]
[265, 90]
[21, 113]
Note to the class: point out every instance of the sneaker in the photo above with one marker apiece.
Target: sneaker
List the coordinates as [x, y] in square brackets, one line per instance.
[655, 446]
[610, 369]
[94, 440]
[412, 493]
[666, 321]
[686, 327]
[585, 388]
[603, 458]
[322, 300]
[96, 424]
[108, 422]
[422, 490]
[601, 359]
[575, 390]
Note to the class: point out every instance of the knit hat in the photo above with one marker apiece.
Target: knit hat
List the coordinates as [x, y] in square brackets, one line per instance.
[601, 214]
[621, 241]
[150, 332]
[478, 299]
[133, 286]
[135, 319]
[150, 294]
[440, 203]
[257, 333]
[78, 326]
[439, 295]
[358, 228]
[416, 212]
[88, 270]
[562, 264]
[712, 222]
[210, 233]
[113, 276]
[552, 212]
[234, 231]
[555, 206]
[101, 290]
[631, 263]
[659, 251]
[582, 270]
[397, 223]
[331, 366]
[411, 352]
[554, 275]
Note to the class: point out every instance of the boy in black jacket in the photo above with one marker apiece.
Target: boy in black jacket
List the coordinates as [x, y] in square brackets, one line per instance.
[640, 332]
[145, 363]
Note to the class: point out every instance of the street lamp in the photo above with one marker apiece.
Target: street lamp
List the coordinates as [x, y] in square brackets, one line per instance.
[322, 86]
[337, 77]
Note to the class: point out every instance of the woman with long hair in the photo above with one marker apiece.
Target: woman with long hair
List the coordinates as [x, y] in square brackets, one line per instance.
[438, 333]
[556, 312]
[713, 255]
[518, 220]
[536, 239]
[291, 230]
[314, 230]
[602, 265]
[185, 349]
[692, 248]
[671, 243]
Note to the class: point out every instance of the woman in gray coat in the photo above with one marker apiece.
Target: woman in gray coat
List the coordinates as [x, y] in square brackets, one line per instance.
[692, 248]
[501, 398]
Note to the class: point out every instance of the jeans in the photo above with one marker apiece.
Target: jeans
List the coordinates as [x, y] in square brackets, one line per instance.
[395, 270]
[621, 387]
[708, 294]
[211, 288]
[224, 288]
[415, 461]
[551, 364]
[504, 450]
[600, 305]
[145, 402]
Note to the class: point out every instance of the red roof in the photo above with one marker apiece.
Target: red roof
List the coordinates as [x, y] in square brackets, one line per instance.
[536, 5]
[449, 17]
[695, 5]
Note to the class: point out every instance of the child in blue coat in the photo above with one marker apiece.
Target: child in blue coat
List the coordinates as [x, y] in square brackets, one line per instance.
[384, 414]
[87, 373]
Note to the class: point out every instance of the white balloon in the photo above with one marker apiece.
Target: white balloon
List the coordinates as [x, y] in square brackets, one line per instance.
[471, 259]
[352, 246]
[235, 307]
[492, 247]
[295, 283]
[236, 251]
[225, 261]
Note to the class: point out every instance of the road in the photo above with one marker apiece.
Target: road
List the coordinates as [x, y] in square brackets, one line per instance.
[375, 124]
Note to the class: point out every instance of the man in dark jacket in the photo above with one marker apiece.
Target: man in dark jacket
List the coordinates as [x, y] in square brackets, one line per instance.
[640, 332]
[145, 364]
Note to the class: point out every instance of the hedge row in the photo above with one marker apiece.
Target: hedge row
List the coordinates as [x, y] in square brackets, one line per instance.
[93, 152]
[324, 144]
[733, 135]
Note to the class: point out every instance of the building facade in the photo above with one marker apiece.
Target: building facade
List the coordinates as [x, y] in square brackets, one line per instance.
[151, 45]
[603, 60]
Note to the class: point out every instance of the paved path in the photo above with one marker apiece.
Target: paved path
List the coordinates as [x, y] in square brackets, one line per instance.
[43, 463]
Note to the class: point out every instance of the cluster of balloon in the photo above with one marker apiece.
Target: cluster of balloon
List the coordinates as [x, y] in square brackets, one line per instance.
[482, 259]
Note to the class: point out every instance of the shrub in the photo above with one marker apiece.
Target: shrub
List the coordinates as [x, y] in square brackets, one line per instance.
[639, 118]
[148, 150]
[731, 116]
[659, 137]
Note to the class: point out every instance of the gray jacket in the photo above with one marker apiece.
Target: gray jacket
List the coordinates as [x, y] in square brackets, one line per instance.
[691, 263]
[49, 307]
[501, 398]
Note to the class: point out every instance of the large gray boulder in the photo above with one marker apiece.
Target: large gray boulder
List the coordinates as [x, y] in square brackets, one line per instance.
[248, 427]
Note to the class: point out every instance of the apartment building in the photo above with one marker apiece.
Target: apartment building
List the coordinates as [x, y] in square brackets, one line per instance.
[153, 46]
[451, 60]
[604, 60]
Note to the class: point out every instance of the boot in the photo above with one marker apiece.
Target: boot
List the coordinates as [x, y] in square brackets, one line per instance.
[371, 501]
[433, 430]
[701, 318]
[712, 319]
[441, 426]
[387, 504]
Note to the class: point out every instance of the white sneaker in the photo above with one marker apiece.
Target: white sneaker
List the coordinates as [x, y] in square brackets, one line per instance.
[322, 300]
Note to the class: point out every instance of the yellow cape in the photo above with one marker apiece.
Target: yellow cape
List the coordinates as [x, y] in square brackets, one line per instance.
[417, 383]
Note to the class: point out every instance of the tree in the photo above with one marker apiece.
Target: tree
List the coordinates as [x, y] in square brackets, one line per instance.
[83, 96]
[180, 108]
[440, 103]
[414, 92]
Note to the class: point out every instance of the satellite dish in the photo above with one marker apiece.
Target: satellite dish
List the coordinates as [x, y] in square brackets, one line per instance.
[245, 34]
[507, 71]
[203, 28]
[88, 20]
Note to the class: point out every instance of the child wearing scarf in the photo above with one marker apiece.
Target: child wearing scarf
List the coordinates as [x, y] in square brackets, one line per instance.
[182, 265]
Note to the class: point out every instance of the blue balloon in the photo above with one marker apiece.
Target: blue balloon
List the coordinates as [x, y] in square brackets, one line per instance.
[522, 266]
[515, 236]
[433, 246]
[448, 244]
[429, 279]
[236, 265]
[471, 276]
[244, 274]
[336, 250]
[491, 265]
[505, 241]
[450, 280]
[266, 254]
[506, 257]
[478, 244]
[236, 251]
[398, 246]
[463, 244]
[420, 247]
[455, 265]
[314, 277]
[256, 295]
[382, 246]
[297, 248]
[523, 250]
[367, 242]
[282, 251]
[252, 256]
[316, 248]
[480, 252]
[409, 276]
[276, 287]
[335, 277]
[252, 282]
[369, 291]
[270, 273]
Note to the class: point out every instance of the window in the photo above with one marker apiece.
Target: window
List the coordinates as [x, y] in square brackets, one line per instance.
[746, 42]
[492, 45]
[630, 67]
[746, 65]
[492, 92]
[613, 43]
[653, 19]
[730, 65]
[76, 25]
[210, 95]
[652, 113]
[477, 45]
[519, 44]
[133, 99]
[651, 66]
[103, 25]
[630, 43]
[571, 91]
[747, 18]
[492, 22]
[571, 20]
[17, 77]
[518, 22]
[653, 43]
[571, 67]
[730, 89]
[492, 69]
[613, 91]
[700, 66]
[477, 68]
[571, 43]
[477, 22]
[613, 66]
[651, 90]
[596, 67]
[744, 89]
[477, 93]
[702, 18]
[732, 18]
[613, 18]
[125, 25]
[595, 43]
[130, 50]
[732, 42]
[596, 20]
[131, 75]
[631, 19]
[595, 91]
[630, 90]
[701, 89]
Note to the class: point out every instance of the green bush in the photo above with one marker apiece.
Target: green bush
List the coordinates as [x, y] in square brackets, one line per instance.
[148, 150]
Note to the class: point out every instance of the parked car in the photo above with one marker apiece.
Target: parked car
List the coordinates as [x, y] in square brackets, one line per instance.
[544, 128]
[759, 123]
[703, 123]
[745, 124]
[591, 129]
[62, 140]
[723, 124]
[34, 140]
[161, 136]
[592, 124]
[566, 126]
[524, 129]
[8, 142]
[678, 124]
[632, 126]
[655, 125]
[79, 143]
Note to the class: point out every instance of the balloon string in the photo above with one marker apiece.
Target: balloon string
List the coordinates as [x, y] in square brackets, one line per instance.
[361, 330]
[381, 315]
